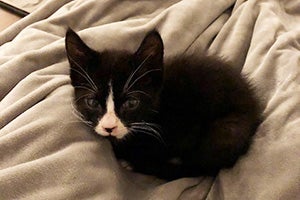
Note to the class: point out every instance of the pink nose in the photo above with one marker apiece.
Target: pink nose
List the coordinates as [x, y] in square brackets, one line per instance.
[109, 123]
[110, 130]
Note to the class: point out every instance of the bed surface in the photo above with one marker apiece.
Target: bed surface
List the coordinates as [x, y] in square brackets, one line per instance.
[47, 153]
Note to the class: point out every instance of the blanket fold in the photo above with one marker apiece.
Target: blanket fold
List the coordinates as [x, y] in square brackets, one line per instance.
[46, 152]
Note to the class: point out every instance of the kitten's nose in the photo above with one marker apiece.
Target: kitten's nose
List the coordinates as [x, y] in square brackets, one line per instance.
[109, 130]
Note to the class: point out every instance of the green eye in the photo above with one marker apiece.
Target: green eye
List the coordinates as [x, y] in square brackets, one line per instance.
[131, 104]
[92, 102]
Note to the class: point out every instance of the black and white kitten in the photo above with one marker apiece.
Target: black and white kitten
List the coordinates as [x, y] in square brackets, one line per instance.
[191, 117]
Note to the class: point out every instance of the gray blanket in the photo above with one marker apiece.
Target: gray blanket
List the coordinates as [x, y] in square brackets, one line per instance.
[47, 153]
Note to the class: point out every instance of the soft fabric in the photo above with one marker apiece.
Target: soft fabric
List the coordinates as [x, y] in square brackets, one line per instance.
[47, 153]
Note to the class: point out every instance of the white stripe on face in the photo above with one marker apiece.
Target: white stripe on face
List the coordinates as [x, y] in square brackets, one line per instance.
[110, 105]
[110, 124]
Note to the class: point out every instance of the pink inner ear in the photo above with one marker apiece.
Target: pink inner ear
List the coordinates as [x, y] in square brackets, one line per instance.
[79, 53]
[151, 51]
[146, 80]
[77, 49]
[152, 45]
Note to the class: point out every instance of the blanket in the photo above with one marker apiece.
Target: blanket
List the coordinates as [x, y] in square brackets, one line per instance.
[47, 153]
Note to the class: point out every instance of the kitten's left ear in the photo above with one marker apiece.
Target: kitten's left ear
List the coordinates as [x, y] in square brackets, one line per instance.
[151, 50]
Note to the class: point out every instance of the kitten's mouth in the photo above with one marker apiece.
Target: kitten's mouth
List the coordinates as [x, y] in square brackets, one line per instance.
[111, 138]
[116, 133]
[117, 136]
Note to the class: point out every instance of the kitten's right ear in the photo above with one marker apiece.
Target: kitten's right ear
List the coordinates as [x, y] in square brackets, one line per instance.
[77, 51]
[80, 56]
[151, 50]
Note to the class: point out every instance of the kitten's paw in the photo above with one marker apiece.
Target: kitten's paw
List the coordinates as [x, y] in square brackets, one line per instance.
[126, 165]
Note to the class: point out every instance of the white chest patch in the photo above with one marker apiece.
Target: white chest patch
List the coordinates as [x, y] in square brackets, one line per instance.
[110, 124]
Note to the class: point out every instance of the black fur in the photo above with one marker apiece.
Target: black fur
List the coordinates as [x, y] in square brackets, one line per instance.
[206, 110]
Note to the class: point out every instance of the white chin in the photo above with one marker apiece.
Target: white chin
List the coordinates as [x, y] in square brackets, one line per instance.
[101, 132]
[113, 134]
[118, 135]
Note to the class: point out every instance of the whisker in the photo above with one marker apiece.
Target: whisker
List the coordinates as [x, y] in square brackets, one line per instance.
[149, 131]
[141, 76]
[155, 111]
[86, 88]
[87, 77]
[135, 71]
[126, 137]
[149, 128]
[139, 91]
[150, 134]
[80, 121]
[79, 116]
[147, 124]
[77, 99]
[144, 130]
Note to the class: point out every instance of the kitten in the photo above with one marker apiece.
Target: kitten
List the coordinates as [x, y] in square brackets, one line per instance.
[188, 118]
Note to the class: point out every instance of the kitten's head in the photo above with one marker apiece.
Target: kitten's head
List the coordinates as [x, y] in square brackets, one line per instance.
[116, 91]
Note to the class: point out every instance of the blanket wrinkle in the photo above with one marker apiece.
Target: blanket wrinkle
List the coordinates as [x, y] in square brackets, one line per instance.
[41, 13]
[46, 152]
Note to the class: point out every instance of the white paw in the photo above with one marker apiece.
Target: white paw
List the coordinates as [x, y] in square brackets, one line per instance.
[126, 165]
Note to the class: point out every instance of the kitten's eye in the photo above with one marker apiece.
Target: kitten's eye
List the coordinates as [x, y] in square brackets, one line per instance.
[92, 102]
[131, 104]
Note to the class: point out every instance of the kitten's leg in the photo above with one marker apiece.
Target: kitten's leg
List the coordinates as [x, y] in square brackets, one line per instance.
[126, 165]
[160, 169]
[229, 138]
[226, 140]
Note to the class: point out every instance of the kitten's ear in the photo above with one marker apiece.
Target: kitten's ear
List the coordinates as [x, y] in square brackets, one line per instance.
[151, 51]
[80, 56]
[149, 61]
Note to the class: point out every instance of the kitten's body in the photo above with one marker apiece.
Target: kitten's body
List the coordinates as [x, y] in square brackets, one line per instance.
[188, 118]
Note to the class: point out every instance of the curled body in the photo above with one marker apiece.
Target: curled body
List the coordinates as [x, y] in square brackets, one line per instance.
[190, 117]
